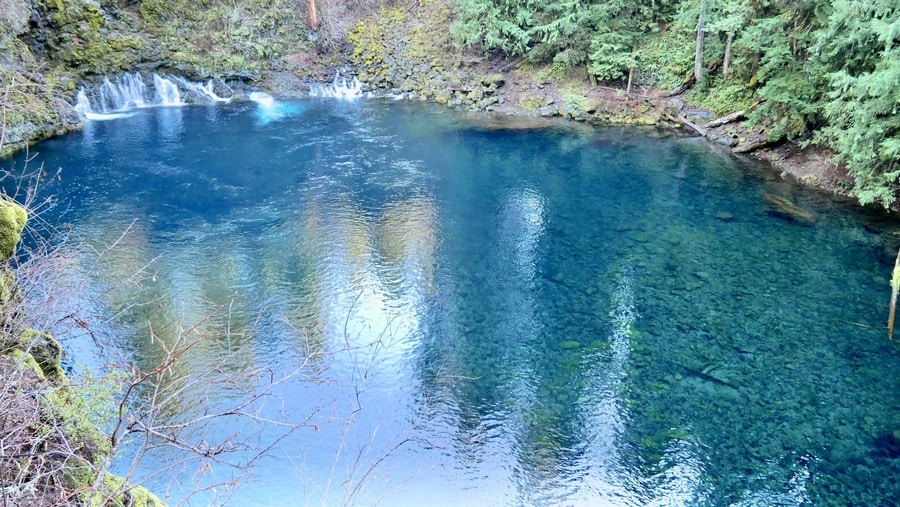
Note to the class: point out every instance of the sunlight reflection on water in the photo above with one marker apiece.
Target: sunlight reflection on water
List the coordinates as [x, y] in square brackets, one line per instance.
[465, 313]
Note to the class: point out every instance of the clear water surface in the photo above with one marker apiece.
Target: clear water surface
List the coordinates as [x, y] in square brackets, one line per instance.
[476, 311]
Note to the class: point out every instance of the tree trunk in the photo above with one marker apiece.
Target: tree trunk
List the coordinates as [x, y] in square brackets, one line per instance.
[631, 68]
[312, 17]
[701, 37]
[895, 286]
[727, 62]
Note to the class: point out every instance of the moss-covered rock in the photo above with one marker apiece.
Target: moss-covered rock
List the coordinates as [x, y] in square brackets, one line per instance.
[493, 80]
[10, 296]
[46, 352]
[26, 361]
[115, 492]
[81, 37]
[14, 16]
[12, 223]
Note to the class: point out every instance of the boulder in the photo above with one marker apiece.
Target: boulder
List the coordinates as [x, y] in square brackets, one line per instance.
[547, 111]
[673, 107]
[12, 223]
[46, 351]
[493, 81]
[14, 16]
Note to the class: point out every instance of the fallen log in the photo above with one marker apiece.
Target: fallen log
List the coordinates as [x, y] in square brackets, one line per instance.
[785, 208]
[751, 146]
[718, 122]
[684, 121]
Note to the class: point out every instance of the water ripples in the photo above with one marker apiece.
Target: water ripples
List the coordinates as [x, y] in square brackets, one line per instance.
[489, 316]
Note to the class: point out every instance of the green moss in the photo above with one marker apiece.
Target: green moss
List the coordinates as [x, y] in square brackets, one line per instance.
[142, 497]
[76, 410]
[531, 103]
[225, 37]
[46, 352]
[9, 291]
[27, 361]
[12, 223]
[115, 492]
[78, 476]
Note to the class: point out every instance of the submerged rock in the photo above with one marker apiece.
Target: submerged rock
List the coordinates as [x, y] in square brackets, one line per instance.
[725, 216]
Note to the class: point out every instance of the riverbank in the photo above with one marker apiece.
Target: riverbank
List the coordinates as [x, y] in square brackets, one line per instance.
[500, 87]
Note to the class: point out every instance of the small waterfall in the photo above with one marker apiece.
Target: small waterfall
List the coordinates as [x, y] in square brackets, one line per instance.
[167, 93]
[203, 92]
[339, 88]
[113, 98]
[209, 90]
[82, 104]
[126, 92]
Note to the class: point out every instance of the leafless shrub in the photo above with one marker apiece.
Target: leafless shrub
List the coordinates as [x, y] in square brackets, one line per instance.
[338, 17]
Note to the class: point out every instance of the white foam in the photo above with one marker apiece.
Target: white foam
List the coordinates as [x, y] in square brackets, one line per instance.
[262, 98]
[115, 97]
[340, 88]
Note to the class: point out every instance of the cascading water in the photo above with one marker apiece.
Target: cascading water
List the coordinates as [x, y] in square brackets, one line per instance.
[126, 92]
[340, 88]
[167, 93]
[115, 97]
[203, 92]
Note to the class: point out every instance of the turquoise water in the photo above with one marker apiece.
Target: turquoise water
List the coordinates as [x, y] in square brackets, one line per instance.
[466, 310]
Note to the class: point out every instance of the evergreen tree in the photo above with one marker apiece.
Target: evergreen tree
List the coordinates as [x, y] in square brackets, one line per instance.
[860, 50]
[495, 24]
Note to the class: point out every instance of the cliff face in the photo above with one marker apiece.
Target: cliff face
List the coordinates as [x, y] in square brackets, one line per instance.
[29, 98]
[49, 48]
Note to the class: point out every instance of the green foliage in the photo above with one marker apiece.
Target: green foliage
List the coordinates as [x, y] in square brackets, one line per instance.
[667, 57]
[787, 85]
[723, 96]
[495, 24]
[82, 39]
[603, 36]
[552, 72]
[860, 50]
[575, 102]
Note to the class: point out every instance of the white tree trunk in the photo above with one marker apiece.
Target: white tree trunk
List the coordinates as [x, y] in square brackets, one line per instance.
[727, 62]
